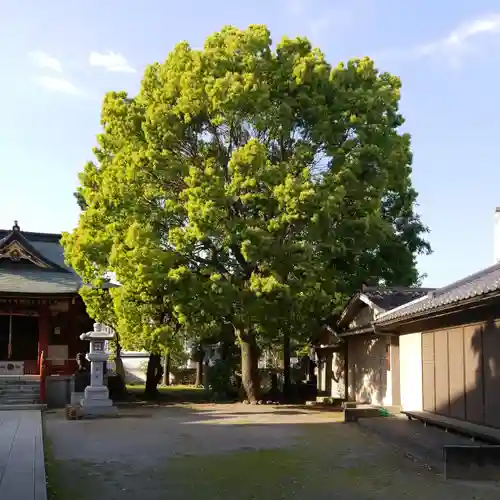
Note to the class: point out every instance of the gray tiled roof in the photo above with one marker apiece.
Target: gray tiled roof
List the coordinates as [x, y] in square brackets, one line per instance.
[53, 251]
[476, 285]
[391, 297]
[38, 281]
[32, 280]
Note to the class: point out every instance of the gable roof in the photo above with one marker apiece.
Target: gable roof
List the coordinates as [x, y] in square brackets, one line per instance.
[380, 299]
[16, 247]
[36, 264]
[391, 297]
[475, 286]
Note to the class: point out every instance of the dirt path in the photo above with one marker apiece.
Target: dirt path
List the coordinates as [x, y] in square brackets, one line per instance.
[234, 451]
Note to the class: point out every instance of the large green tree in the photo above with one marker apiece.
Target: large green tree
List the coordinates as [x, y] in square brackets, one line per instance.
[273, 183]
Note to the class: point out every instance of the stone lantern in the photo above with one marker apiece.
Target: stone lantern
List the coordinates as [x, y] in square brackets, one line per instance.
[96, 401]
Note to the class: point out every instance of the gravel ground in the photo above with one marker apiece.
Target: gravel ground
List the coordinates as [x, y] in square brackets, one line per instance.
[234, 452]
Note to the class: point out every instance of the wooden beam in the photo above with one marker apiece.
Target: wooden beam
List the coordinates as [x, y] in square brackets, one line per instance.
[44, 319]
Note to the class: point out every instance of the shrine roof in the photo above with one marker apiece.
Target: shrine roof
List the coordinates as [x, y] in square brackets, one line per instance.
[38, 282]
[33, 263]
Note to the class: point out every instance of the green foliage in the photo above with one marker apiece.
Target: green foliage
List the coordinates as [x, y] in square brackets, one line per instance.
[247, 184]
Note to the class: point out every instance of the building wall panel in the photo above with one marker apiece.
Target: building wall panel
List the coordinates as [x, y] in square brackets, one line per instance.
[491, 373]
[410, 352]
[428, 378]
[368, 374]
[441, 372]
[473, 371]
[457, 372]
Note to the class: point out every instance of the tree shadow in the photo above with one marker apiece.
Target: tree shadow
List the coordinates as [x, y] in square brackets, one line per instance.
[470, 357]
[365, 378]
[209, 451]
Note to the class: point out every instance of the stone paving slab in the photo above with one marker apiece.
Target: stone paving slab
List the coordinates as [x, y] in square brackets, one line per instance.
[22, 467]
[423, 443]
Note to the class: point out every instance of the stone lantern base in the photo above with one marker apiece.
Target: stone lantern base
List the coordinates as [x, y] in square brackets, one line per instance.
[96, 402]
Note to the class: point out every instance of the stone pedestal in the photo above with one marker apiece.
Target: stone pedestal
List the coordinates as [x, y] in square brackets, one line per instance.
[96, 401]
[76, 398]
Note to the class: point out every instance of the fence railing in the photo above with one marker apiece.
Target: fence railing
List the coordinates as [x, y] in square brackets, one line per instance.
[59, 367]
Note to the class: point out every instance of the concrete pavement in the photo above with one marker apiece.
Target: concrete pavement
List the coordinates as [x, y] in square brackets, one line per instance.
[22, 467]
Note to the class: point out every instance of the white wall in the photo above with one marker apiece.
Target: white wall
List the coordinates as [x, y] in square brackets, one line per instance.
[330, 373]
[410, 355]
[369, 379]
[134, 364]
[338, 382]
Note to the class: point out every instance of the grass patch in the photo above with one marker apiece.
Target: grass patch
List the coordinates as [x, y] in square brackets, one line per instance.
[300, 471]
[50, 466]
[249, 474]
[167, 388]
[173, 393]
[64, 480]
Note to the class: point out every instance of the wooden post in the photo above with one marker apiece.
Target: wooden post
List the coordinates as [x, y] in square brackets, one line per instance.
[43, 375]
[43, 331]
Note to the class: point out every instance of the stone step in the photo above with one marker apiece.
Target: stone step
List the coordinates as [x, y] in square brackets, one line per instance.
[17, 383]
[23, 406]
[328, 400]
[26, 401]
[22, 388]
[20, 395]
[25, 378]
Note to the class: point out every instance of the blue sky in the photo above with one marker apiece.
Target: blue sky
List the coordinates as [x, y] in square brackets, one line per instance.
[60, 57]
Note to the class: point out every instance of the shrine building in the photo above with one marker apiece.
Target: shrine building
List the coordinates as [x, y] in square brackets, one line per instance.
[40, 308]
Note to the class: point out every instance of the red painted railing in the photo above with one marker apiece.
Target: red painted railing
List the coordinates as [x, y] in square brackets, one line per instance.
[42, 377]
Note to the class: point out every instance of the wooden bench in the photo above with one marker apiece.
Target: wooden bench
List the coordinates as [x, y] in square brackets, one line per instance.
[467, 429]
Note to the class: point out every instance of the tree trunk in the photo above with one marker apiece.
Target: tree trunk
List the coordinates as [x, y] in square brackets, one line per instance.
[199, 372]
[166, 369]
[153, 376]
[249, 365]
[286, 365]
[120, 370]
[206, 375]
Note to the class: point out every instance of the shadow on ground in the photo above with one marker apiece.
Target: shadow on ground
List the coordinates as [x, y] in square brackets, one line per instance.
[234, 452]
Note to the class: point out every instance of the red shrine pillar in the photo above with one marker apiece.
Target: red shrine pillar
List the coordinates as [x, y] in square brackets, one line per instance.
[43, 331]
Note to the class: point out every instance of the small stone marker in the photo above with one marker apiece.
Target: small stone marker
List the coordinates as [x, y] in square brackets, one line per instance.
[96, 401]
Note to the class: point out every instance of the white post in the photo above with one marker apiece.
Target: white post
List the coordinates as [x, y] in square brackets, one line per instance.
[96, 400]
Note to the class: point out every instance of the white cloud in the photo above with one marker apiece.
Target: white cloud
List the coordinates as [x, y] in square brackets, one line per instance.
[456, 43]
[57, 84]
[45, 61]
[110, 61]
[457, 39]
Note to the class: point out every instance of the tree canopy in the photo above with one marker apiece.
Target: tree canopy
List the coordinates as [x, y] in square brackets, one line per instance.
[251, 184]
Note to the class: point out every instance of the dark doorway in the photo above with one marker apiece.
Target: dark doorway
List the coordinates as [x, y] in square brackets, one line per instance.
[24, 338]
[4, 337]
